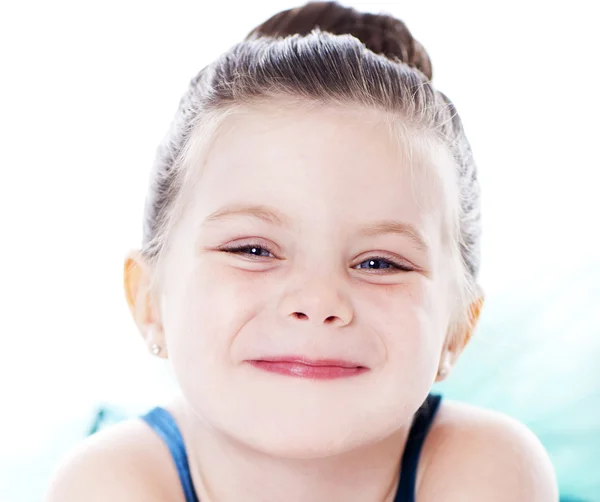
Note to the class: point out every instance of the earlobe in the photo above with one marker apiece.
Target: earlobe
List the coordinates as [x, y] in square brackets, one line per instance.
[156, 342]
[445, 367]
[443, 372]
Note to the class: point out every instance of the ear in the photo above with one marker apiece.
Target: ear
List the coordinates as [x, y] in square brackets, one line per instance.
[142, 302]
[456, 342]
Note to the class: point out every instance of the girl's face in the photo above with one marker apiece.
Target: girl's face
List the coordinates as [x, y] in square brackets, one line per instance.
[341, 258]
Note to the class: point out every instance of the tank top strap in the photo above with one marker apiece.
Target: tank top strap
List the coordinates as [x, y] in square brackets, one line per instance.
[414, 444]
[163, 423]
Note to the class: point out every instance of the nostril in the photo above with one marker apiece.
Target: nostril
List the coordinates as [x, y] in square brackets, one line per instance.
[300, 315]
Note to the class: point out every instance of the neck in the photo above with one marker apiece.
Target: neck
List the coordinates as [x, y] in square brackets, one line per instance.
[224, 470]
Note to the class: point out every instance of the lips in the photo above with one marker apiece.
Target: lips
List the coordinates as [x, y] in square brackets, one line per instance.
[306, 368]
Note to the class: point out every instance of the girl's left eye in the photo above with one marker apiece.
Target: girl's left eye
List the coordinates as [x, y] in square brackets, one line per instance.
[373, 263]
[376, 263]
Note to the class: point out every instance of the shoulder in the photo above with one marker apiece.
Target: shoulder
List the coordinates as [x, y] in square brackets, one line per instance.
[474, 454]
[125, 462]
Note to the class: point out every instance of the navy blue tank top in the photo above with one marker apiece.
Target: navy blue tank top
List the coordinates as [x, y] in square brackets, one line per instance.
[164, 425]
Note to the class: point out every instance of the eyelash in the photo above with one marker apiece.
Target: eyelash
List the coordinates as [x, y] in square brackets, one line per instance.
[394, 265]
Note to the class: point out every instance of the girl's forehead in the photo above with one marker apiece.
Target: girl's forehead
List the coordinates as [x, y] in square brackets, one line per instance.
[342, 142]
[320, 162]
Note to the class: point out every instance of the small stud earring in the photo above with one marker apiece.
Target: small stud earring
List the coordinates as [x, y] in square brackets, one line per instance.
[443, 372]
[155, 349]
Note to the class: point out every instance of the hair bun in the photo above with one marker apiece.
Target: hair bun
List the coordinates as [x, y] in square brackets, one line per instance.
[381, 33]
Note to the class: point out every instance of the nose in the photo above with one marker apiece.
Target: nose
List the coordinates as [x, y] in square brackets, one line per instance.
[319, 301]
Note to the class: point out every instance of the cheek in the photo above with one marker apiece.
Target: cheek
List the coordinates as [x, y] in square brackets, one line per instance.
[409, 319]
[204, 309]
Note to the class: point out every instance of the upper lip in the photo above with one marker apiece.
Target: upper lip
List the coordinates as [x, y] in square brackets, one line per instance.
[312, 362]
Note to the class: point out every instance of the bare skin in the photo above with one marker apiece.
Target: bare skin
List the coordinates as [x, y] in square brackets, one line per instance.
[470, 454]
[317, 276]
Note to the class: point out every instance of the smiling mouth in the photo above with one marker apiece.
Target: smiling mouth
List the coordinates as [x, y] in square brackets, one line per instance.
[323, 369]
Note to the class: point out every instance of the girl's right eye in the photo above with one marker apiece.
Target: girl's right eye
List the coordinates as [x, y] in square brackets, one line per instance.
[253, 250]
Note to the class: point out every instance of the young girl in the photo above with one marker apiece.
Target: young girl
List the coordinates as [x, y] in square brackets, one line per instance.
[309, 267]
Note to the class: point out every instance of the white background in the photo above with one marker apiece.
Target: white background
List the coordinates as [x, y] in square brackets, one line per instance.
[88, 91]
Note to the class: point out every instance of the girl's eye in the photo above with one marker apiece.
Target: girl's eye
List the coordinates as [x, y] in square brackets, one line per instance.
[380, 263]
[251, 249]
[374, 263]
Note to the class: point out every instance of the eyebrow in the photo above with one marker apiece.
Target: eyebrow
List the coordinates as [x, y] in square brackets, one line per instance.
[272, 216]
[259, 211]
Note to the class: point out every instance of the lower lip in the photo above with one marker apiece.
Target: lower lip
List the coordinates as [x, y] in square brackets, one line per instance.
[307, 371]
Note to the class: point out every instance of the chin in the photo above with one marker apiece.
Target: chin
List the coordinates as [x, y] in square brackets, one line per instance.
[310, 428]
[302, 419]
[308, 441]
